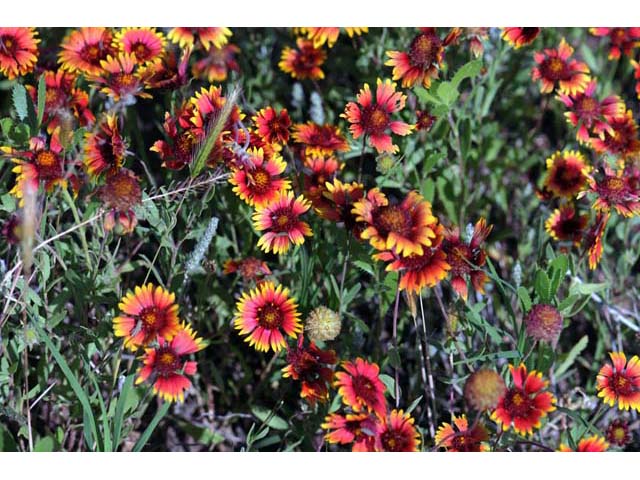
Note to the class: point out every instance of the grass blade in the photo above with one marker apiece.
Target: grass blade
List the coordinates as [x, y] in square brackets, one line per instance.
[119, 416]
[144, 438]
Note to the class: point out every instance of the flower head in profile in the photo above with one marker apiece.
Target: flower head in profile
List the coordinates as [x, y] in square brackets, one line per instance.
[565, 224]
[265, 315]
[619, 136]
[272, 126]
[619, 382]
[404, 228]
[361, 388]
[195, 37]
[319, 140]
[556, 69]
[457, 436]
[421, 62]
[615, 190]
[621, 40]
[146, 44]
[594, 443]
[303, 62]
[120, 194]
[104, 149]
[217, 63]
[146, 314]
[373, 117]
[258, 181]
[84, 49]
[566, 173]
[525, 403]
[398, 433]
[281, 224]
[519, 37]
[594, 237]
[249, 268]
[166, 366]
[310, 365]
[329, 35]
[358, 429]
[467, 258]
[178, 148]
[18, 51]
[121, 79]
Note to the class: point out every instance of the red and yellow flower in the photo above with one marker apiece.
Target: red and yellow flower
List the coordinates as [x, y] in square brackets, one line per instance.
[593, 443]
[618, 433]
[360, 429]
[593, 239]
[519, 37]
[310, 366]
[467, 259]
[194, 36]
[121, 79]
[144, 43]
[258, 181]
[280, 220]
[565, 224]
[18, 51]
[317, 172]
[525, 403]
[271, 126]
[398, 434]
[619, 382]
[206, 104]
[303, 62]
[419, 271]
[147, 314]
[319, 140]
[458, 437]
[339, 202]
[422, 60]
[329, 35]
[166, 366]
[249, 268]
[265, 315]
[621, 40]
[217, 63]
[619, 136]
[120, 193]
[178, 149]
[104, 149]
[361, 388]
[566, 173]
[615, 190]
[373, 118]
[556, 69]
[83, 50]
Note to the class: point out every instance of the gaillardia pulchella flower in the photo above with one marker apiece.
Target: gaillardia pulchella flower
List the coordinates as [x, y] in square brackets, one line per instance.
[265, 315]
[249, 268]
[361, 388]
[18, 51]
[398, 434]
[303, 62]
[405, 228]
[457, 436]
[200, 36]
[166, 366]
[618, 433]
[594, 443]
[619, 136]
[544, 323]
[272, 126]
[104, 149]
[615, 190]
[619, 382]
[359, 429]
[146, 44]
[621, 40]
[147, 313]
[121, 78]
[519, 37]
[338, 205]
[555, 69]
[217, 63]
[372, 118]
[565, 224]
[281, 224]
[566, 173]
[525, 403]
[319, 140]
[119, 194]
[329, 35]
[593, 242]
[83, 50]
[257, 182]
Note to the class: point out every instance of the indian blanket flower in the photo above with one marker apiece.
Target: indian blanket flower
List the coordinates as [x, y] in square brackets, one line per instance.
[207, 104]
[424, 120]
[319, 140]
[476, 36]
[104, 149]
[525, 403]
[565, 224]
[83, 50]
[120, 194]
[195, 36]
[458, 437]
[593, 239]
[361, 388]
[265, 315]
[556, 69]
[615, 190]
[398, 433]
[619, 382]
[322, 324]
[619, 136]
[303, 62]
[329, 35]
[146, 313]
[281, 224]
[217, 63]
[11, 229]
[121, 78]
[621, 40]
[422, 60]
[18, 51]
[373, 118]
[566, 173]
[359, 429]
[593, 443]
[272, 126]
[310, 365]
[249, 268]
[636, 75]
[586, 112]
[339, 202]
[618, 434]
[144, 43]
[169, 72]
[544, 323]
[180, 144]
[418, 271]
[467, 258]
[166, 366]
[258, 181]
[404, 228]
[317, 172]
[519, 37]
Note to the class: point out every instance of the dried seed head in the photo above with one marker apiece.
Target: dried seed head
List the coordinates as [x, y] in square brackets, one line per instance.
[483, 389]
[544, 322]
[323, 324]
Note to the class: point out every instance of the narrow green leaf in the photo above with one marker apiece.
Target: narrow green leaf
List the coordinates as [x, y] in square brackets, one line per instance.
[414, 404]
[19, 96]
[525, 298]
[542, 286]
[390, 383]
[269, 418]
[42, 95]
[120, 408]
[144, 438]
[572, 355]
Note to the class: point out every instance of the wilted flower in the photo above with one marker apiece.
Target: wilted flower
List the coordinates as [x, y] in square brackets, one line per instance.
[483, 389]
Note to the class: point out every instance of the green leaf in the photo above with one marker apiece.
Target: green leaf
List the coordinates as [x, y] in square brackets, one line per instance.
[468, 70]
[448, 93]
[42, 95]
[426, 96]
[120, 409]
[44, 444]
[394, 357]
[414, 404]
[390, 383]
[19, 96]
[543, 286]
[525, 298]
[362, 265]
[144, 438]
[572, 355]
[269, 418]
[588, 288]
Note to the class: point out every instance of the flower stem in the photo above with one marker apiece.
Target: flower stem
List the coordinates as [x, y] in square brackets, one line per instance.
[76, 217]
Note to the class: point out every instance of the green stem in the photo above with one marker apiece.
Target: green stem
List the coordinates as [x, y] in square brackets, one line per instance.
[76, 217]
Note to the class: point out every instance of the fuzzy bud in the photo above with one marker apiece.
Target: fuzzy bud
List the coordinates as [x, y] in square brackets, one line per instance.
[483, 389]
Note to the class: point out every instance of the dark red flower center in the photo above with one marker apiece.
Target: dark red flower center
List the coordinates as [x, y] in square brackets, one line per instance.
[167, 362]
[283, 220]
[529, 33]
[518, 404]
[458, 256]
[153, 319]
[8, 45]
[621, 384]
[424, 50]
[416, 263]
[121, 191]
[554, 68]
[566, 176]
[270, 316]
[614, 185]
[141, 51]
[92, 54]
[618, 36]
[364, 389]
[569, 227]
[259, 180]
[374, 120]
[587, 107]
[49, 165]
[125, 81]
[392, 218]
[463, 442]
[395, 441]
[306, 60]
